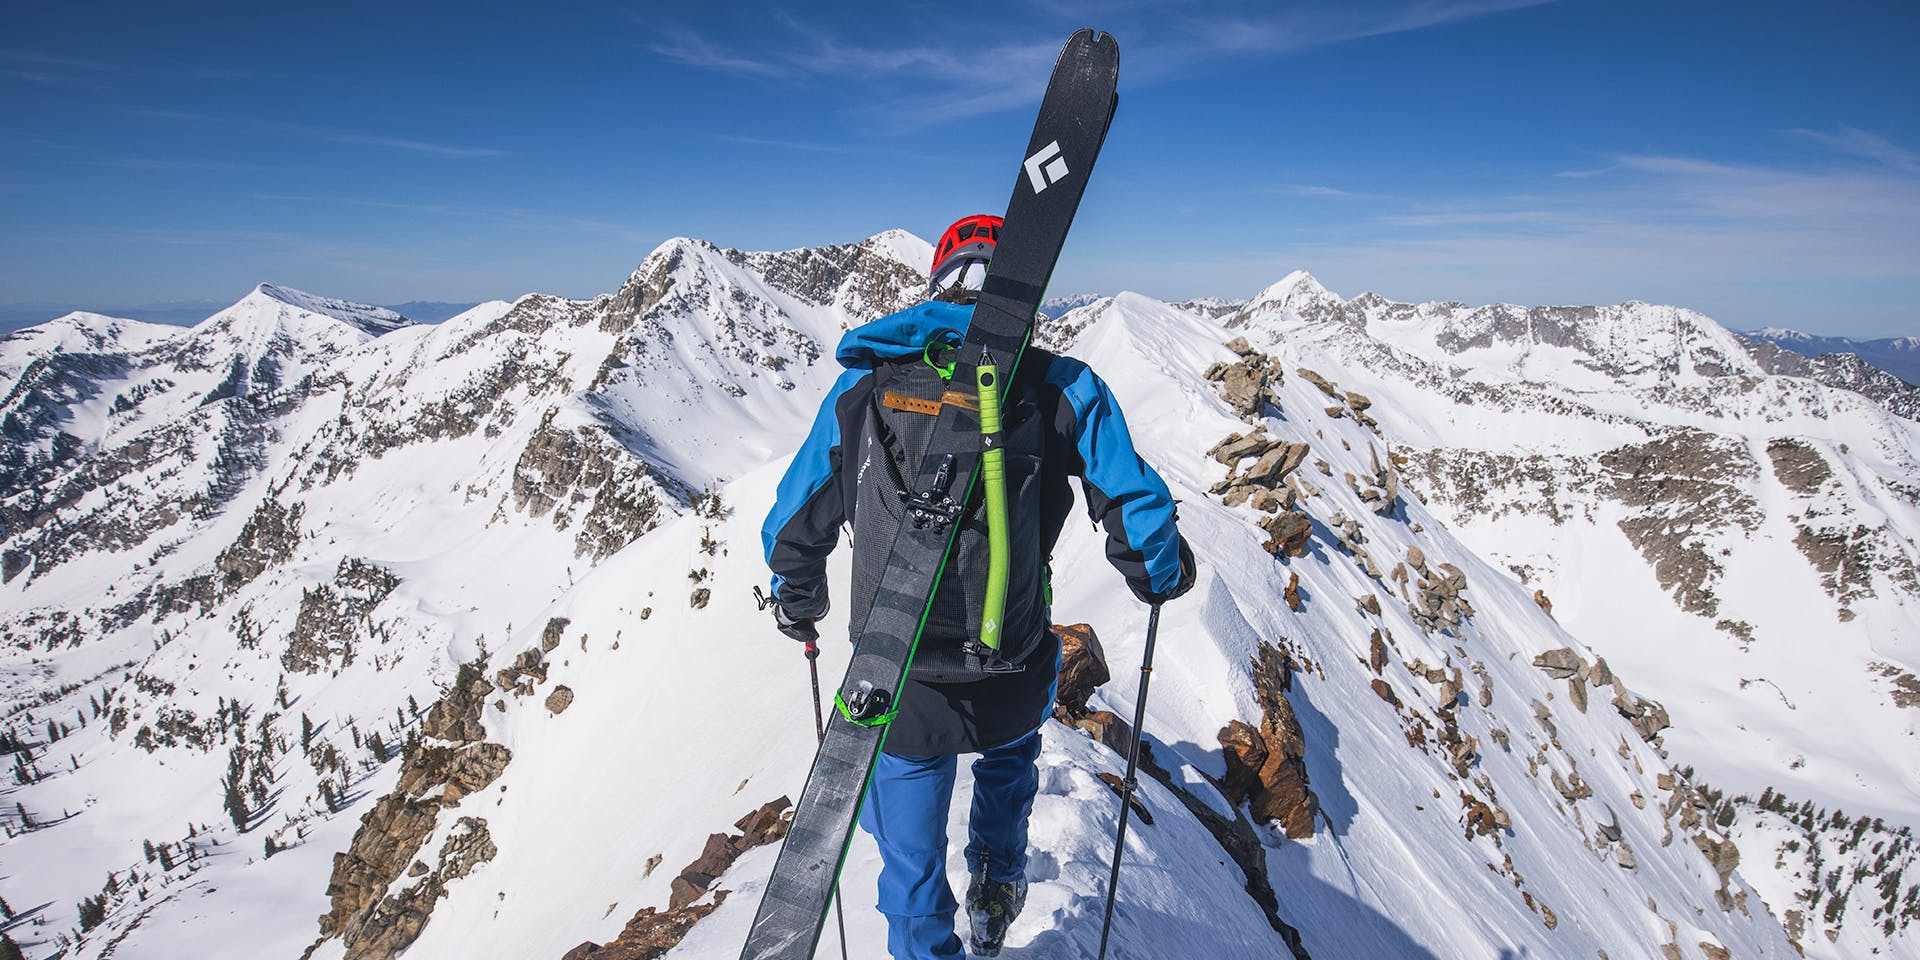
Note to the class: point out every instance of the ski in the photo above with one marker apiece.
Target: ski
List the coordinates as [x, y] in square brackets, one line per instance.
[1072, 125]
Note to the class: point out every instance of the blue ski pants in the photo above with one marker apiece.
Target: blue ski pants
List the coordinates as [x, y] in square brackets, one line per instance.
[906, 812]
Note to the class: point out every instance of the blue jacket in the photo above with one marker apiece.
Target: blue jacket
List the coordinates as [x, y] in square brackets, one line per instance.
[1064, 420]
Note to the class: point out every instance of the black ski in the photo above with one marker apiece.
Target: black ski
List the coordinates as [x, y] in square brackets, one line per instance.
[1066, 140]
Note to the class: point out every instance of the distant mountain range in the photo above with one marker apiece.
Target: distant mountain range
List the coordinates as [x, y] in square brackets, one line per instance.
[185, 313]
[1899, 356]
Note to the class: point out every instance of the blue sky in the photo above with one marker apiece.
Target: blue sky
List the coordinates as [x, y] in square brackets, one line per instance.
[1757, 161]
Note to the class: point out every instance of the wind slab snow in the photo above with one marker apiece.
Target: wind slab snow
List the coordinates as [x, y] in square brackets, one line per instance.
[294, 521]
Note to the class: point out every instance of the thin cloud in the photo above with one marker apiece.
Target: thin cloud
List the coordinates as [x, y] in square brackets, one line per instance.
[949, 79]
[514, 218]
[799, 145]
[1319, 191]
[1861, 143]
[329, 135]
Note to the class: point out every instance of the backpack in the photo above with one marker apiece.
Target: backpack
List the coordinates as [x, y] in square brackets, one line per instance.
[897, 428]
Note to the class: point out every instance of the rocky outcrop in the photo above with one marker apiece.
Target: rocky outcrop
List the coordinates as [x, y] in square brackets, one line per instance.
[333, 616]
[586, 482]
[1248, 384]
[652, 932]
[1264, 484]
[1083, 668]
[373, 919]
[1287, 534]
[1266, 766]
[270, 536]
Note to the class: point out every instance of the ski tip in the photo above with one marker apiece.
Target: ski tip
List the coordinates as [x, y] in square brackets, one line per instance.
[1088, 35]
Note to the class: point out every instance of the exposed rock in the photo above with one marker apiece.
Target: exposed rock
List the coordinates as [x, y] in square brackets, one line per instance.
[1369, 604]
[699, 598]
[372, 922]
[1647, 716]
[1292, 593]
[1724, 857]
[1540, 599]
[1237, 447]
[1416, 558]
[1276, 463]
[1376, 653]
[652, 933]
[270, 536]
[333, 615]
[1577, 692]
[1560, 663]
[560, 699]
[550, 635]
[1477, 817]
[1600, 675]
[1571, 787]
[1319, 381]
[1242, 388]
[1385, 692]
[1106, 728]
[1119, 788]
[1267, 767]
[1083, 668]
[623, 495]
[1287, 534]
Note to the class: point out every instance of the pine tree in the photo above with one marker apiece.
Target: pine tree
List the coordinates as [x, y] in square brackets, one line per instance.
[306, 734]
[377, 747]
[92, 911]
[166, 857]
[146, 846]
[53, 731]
[10, 950]
[25, 820]
[235, 805]
[270, 847]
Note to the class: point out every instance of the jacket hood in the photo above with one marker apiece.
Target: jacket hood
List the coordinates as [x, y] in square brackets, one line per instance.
[902, 335]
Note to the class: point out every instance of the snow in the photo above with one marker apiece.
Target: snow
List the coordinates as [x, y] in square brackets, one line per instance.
[684, 719]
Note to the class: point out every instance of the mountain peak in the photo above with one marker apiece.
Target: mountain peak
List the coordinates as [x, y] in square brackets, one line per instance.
[362, 316]
[1296, 288]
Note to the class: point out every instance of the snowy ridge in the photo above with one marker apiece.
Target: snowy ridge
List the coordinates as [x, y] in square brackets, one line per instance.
[566, 495]
[365, 317]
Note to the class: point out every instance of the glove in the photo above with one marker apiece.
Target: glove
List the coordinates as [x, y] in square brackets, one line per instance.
[1180, 586]
[801, 630]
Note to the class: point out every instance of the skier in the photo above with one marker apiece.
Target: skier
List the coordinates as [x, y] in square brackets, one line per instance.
[962, 695]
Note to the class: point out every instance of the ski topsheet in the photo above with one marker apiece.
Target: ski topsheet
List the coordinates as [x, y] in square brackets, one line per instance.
[1066, 139]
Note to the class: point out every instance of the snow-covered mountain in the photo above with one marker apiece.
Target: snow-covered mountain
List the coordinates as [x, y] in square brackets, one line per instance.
[1899, 356]
[335, 637]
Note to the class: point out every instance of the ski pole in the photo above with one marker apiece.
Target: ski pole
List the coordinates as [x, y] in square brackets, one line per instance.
[1133, 763]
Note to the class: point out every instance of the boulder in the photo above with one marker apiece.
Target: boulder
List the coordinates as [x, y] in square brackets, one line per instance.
[1287, 533]
[1560, 663]
[1318, 381]
[560, 699]
[1266, 767]
[1083, 668]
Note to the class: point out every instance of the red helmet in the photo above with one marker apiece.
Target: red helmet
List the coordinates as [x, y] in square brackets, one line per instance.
[968, 242]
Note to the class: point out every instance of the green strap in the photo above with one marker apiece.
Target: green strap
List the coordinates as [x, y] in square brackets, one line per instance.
[840, 703]
[993, 469]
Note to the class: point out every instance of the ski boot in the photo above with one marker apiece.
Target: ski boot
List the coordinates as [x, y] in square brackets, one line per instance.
[991, 907]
